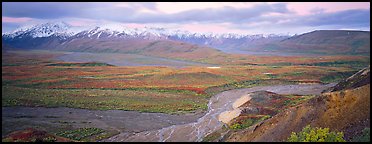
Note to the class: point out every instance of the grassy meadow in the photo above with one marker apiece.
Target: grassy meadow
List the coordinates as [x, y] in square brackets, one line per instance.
[35, 79]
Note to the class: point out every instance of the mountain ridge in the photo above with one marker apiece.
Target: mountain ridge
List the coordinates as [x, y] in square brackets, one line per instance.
[330, 42]
[63, 31]
[123, 29]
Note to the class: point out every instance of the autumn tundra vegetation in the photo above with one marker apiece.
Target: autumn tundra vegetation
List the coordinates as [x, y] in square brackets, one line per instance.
[194, 72]
[101, 72]
[35, 79]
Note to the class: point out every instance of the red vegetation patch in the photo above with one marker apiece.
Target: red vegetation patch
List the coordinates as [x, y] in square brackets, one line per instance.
[197, 90]
[32, 135]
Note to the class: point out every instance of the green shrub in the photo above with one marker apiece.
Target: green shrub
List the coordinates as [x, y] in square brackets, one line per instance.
[211, 137]
[353, 64]
[364, 137]
[248, 122]
[80, 133]
[309, 134]
[336, 76]
[298, 100]
[49, 139]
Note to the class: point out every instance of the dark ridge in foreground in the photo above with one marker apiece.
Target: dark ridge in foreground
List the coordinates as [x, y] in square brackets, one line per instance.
[359, 79]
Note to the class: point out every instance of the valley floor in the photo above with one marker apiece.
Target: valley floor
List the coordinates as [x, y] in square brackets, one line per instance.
[54, 120]
[181, 91]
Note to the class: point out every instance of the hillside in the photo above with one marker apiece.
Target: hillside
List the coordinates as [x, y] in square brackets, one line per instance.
[346, 110]
[34, 36]
[164, 42]
[64, 37]
[323, 42]
[160, 48]
[233, 43]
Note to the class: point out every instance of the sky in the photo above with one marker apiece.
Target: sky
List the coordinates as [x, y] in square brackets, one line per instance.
[202, 17]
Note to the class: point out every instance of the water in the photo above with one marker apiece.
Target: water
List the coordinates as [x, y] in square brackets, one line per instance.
[209, 123]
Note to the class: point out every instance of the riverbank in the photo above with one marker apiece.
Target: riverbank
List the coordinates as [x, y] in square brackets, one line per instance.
[118, 121]
[209, 123]
[136, 126]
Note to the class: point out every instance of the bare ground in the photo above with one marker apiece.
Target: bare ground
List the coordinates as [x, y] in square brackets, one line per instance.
[136, 126]
[55, 119]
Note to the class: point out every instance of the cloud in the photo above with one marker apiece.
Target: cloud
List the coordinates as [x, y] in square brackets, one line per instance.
[80, 22]
[350, 18]
[131, 12]
[16, 20]
[245, 17]
[149, 5]
[54, 10]
[306, 8]
[225, 14]
[335, 20]
[317, 10]
[8, 27]
[44, 10]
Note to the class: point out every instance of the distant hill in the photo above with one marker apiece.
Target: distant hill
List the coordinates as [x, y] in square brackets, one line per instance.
[163, 42]
[323, 42]
[5, 48]
[232, 43]
[160, 48]
[118, 38]
[59, 36]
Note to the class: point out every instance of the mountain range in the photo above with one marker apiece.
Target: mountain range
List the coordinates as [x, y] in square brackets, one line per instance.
[164, 42]
[324, 42]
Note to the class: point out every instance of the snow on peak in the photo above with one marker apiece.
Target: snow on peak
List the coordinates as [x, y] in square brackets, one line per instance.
[42, 30]
[114, 29]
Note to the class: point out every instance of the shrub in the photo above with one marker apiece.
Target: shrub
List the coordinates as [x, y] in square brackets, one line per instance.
[364, 137]
[80, 134]
[309, 134]
[248, 122]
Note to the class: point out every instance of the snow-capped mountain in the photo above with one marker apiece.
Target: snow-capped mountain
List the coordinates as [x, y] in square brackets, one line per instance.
[64, 32]
[43, 30]
[65, 29]
[150, 40]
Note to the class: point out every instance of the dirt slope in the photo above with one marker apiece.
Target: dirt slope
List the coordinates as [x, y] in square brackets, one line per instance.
[346, 110]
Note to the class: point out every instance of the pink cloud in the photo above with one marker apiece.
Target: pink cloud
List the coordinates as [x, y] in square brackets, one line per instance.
[16, 20]
[175, 7]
